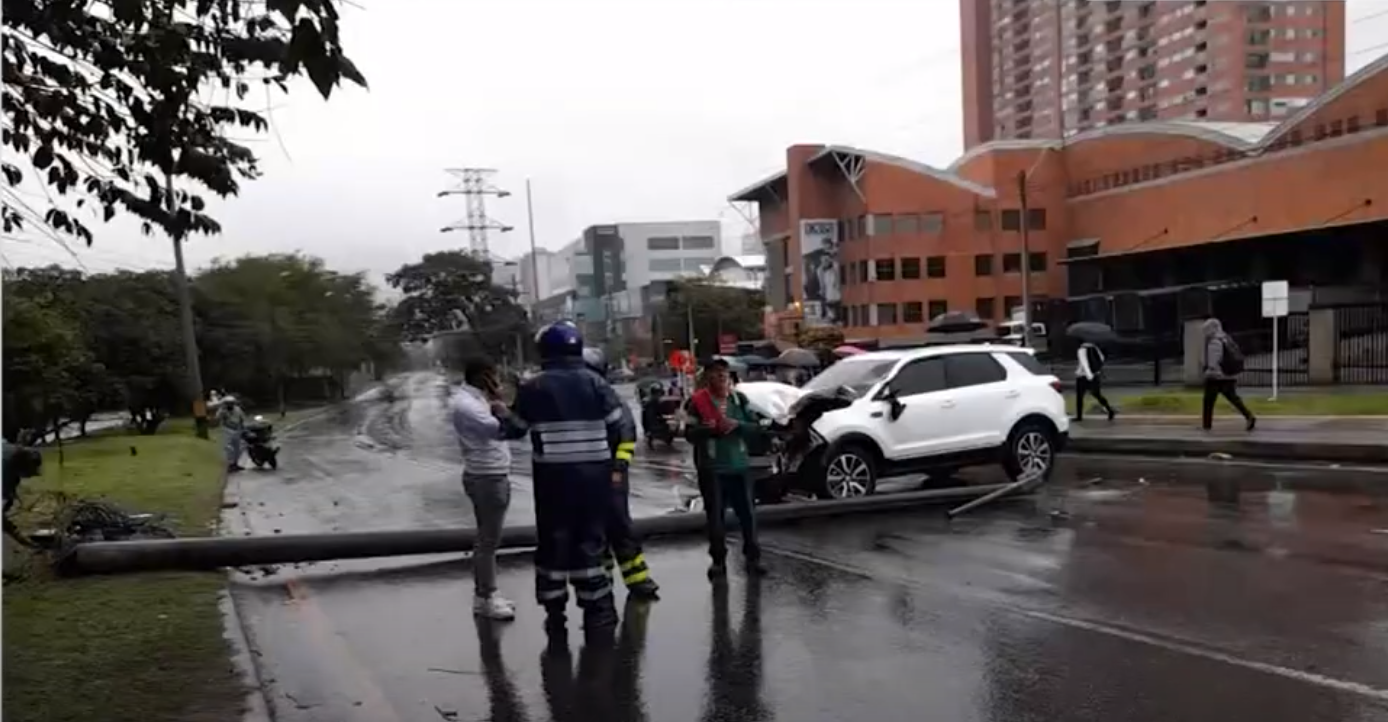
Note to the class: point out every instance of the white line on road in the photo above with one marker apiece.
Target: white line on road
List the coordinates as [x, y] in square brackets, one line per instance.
[1171, 645]
[1320, 680]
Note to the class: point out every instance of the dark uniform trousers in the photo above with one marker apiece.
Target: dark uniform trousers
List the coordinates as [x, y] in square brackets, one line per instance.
[626, 554]
[573, 495]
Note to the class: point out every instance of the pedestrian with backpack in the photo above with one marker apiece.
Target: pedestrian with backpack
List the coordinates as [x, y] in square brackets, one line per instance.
[1223, 364]
[1089, 380]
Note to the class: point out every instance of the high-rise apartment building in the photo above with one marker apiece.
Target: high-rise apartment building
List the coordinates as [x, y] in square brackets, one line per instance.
[1052, 68]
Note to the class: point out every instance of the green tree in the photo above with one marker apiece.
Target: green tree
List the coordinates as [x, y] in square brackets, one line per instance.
[267, 322]
[454, 291]
[716, 309]
[107, 101]
[44, 355]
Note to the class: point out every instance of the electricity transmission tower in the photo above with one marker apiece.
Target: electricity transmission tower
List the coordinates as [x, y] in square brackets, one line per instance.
[476, 185]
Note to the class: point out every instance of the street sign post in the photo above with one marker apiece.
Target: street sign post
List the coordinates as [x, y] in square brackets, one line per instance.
[1276, 298]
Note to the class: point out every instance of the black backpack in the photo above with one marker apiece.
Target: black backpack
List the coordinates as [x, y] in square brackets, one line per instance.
[1231, 363]
[1095, 357]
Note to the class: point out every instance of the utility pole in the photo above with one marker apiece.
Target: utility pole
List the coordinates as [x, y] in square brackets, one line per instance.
[534, 257]
[185, 313]
[1025, 223]
[475, 184]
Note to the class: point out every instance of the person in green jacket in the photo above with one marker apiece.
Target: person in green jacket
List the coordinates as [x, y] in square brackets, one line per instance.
[719, 426]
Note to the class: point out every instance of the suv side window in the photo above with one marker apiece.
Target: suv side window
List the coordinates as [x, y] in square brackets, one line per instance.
[972, 369]
[919, 377]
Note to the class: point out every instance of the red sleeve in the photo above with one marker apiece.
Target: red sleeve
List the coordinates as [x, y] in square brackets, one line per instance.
[707, 410]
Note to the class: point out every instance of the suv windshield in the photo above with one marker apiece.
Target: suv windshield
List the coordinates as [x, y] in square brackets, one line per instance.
[858, 375]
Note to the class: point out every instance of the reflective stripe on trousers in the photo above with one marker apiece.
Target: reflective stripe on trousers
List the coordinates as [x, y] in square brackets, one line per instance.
[634, 570]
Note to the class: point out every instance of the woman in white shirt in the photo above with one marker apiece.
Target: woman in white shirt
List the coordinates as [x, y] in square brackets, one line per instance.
[1089, 380]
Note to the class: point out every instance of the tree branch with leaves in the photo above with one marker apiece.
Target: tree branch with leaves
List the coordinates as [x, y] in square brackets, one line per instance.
[109, 101]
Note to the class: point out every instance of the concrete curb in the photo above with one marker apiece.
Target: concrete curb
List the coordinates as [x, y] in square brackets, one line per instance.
[1250, 448]
[1191, 419]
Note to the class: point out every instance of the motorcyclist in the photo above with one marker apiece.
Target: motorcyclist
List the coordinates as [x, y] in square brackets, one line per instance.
[582, 440]
[622, 541]
[233, 421]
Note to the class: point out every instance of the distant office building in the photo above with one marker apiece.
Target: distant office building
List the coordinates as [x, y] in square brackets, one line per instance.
[601, 280]
[1047, 68]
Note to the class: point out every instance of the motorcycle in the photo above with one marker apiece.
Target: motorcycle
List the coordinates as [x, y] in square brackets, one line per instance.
[662, 420]
[260, 443]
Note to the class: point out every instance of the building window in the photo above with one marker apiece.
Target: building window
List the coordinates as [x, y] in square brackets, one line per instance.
[983, 220]
[1038, 262]
[853, 316]
[1011, 219]
[938, 308]
[863, 272]
[986, 308]
[698, 243]
[912, 312]
[851, 274]
[862, 227]
[907, 224]
[698, 264]
[933, 223]
[983, 265]
[1011, 303]
[886, 269]
[935, 267]
[886, 314]
[850, 229]
[1036, 219]
[910, 268]
[663, 243]
[881, 224]
[666, 265]
[1011, 263]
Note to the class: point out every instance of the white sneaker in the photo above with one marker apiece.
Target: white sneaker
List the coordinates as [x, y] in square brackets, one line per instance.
[494, 607]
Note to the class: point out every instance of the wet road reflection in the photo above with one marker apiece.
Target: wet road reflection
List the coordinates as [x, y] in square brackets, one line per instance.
[1114, 597]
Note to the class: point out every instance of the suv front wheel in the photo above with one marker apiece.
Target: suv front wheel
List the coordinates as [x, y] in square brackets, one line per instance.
[849, 471]
[1030, 450]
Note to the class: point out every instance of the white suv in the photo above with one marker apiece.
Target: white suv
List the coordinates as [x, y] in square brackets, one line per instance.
[934, 410]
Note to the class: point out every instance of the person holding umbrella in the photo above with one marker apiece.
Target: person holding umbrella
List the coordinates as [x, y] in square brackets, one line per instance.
[1089, 372]
[1089, 379]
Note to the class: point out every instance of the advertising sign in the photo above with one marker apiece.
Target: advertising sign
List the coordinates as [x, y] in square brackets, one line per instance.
[727, 344]
[819, 255]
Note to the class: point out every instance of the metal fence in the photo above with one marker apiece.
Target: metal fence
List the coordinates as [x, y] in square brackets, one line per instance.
[1361, 356]
[1292, 359]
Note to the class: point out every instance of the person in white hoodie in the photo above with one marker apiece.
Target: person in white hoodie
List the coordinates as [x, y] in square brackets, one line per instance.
[481, 419]
[1089, 379]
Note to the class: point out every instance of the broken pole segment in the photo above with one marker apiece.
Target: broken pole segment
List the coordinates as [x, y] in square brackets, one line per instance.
[204, 553]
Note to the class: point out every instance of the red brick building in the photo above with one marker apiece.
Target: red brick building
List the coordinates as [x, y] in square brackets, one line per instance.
[1114, 62]
[1130, 208]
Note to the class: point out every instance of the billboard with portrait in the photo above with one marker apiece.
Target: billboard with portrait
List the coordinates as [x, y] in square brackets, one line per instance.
[819, 255]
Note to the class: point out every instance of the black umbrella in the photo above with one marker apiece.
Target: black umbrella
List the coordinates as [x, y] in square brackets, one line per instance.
[1091, 331]
[798, 358]
[956, 322]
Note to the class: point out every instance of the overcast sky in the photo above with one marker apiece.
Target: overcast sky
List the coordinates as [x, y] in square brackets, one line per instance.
[618, 110]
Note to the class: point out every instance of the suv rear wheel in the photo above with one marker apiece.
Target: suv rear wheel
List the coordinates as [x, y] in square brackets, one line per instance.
[1030, 450]
[849, 471]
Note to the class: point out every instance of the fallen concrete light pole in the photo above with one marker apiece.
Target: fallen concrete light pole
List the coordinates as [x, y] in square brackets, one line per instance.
[216, 552]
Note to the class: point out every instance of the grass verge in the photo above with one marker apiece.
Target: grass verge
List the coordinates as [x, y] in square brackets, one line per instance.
[1299, 403]
[143, 648]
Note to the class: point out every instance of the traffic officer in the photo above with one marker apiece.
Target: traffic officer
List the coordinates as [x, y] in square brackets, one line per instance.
[581, 438]
[621, 538]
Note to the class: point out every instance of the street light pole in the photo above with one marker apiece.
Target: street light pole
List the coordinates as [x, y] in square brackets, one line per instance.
[1025, 223]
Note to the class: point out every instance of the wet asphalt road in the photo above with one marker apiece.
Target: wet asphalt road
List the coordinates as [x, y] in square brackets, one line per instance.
[1121, 596]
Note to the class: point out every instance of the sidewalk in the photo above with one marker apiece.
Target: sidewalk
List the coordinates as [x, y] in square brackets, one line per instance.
[1348, 440]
